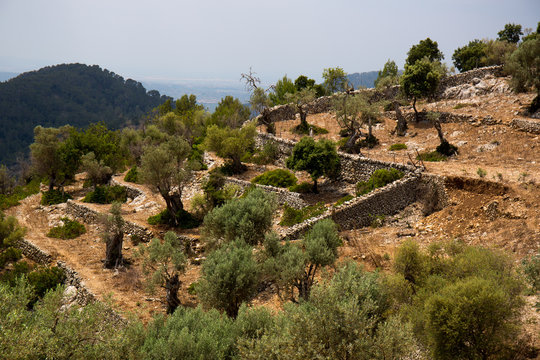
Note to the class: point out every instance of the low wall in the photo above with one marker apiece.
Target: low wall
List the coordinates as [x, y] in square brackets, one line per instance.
[467, 77]
[33, 252]
[283, 196]
[530, 126]
[354, 168]
[131, 191]
[362, 210]
[90, 216]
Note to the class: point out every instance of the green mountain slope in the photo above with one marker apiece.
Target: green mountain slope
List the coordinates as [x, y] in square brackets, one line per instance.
[74, 94]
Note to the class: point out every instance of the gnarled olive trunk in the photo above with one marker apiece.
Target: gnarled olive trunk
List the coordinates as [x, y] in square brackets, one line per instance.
[416, 117]
[113, 250]
[349, 146]
[174, 205]
[401, 126]
[172, 285]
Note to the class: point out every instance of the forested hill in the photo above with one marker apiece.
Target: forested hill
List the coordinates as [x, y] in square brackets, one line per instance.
[74, 94]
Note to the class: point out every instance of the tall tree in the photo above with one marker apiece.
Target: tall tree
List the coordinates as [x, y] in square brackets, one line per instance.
[335, 79]
[300, 100]
[230, 112]
[470, 56]
[163, 262]
[317, 158]
[388, 76]
[510, 33]
[425, 48]
[524, 66]
[164, 167]
[280, 89]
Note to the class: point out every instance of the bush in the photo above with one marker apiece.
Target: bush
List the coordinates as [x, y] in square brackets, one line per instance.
[45, 279]
[368, 142]
[106, 195]
[302, 188]
[268, 154]
[531, 269]
[54, 197]
[344, 200]
[19, 193]
[278, 178]
[431, 156]
[378, 179]
[185, 219]
[292, 216]
[316, 130]
[132, 175]
[70, 230]
[396, 147]
[10, 254]
[481, 172]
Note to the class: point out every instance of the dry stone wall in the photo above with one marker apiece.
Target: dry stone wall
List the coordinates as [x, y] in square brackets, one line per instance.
[131, 191]
[468, 76]
[531, 126]
[283, 196]
[361, 211]
[91, 216]
[33, 252]
[354, 168]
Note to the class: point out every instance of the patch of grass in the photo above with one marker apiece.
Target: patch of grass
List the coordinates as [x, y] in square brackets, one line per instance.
[132, 175]
[278, 178]
[431, 156]
[462, 105]
[106, 195]
[344, 200]
[70, 230]
[378, 179]
[481, 172]
[396, 147]
[378, 221]
[302, 188]
[186, 220]
[19, 193]
[292, 216]
[54, 197]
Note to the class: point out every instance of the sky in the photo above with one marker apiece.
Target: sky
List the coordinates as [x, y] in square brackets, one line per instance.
[218, 40]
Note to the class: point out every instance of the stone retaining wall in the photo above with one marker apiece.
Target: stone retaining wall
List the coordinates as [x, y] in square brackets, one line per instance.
[362, 210]
[530, 126]
[131, 191]
[90, 216]
[354, 168]
[33, 252]
[283, 196]
[467, 77]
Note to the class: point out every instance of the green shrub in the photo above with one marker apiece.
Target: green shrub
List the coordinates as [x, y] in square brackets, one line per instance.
[481, 172]
[378, 179]
[368, 142]
[302, 188]
[344, 199]
[278, 178]
[106, 195]
[132, 175]
[70, 230]
[185, 219]
[10, 254]
[462, 105]
[45, 279]
[268, 154]
[531, 269]
[54, 197]
[316, 130]
[396, 147]
[19, 193]
[431, 156]
[292, 216]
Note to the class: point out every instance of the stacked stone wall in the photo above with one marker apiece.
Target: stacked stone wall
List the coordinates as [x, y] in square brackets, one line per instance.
[468, 76]
[283, 196]
[361, 211]
[354, 168]
[530, 126]
[131, 191]
[33, 252]
[90, 216]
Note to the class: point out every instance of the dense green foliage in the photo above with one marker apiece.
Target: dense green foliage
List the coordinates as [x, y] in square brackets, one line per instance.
[524, 66]
[278, 178]
[247, 219]
[431, 156]
[281, 88]
[182, 219]
[378, 179]
[470, 56]
[398, 146]
[18, 193]
[388, 76]
[132, 175]
[230, 277]
[74, 94]
[344, 200]
[511, 33]
[292, 216]
[303, 188]
[335, 79]
[106, 195]
[54, 197]
[424, 49]
[317, 158]
[69, 230]
[230, 112]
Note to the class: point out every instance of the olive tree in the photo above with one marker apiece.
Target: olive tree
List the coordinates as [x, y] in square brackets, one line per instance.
[335, 79]
[113, 236]
[300, 100]
[259, 100]
[524, 66]
[317, 158]
[163, 262]
[164, 167]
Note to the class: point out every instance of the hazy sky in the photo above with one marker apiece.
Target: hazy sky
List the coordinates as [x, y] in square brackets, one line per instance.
[216, 39]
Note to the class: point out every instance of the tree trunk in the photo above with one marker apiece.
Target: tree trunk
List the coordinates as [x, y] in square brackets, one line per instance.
[174, 205]
[270, 128]
[401, 126]
[113, 251]
[304, 126]
[416, 118]
[349, 146]
[437, 125]
[172, 285]
[315, 189]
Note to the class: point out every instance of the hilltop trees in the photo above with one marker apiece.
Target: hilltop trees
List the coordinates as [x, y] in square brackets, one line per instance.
[524, 65]
[420, 80]
[163, 262]
[424, 49]
[511, 33]
[335, 79]
[259, 99]
[317, 158]
[282, 87]
[230, 113]
[470, 56]
[388, 76]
